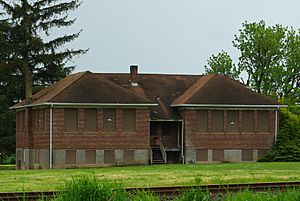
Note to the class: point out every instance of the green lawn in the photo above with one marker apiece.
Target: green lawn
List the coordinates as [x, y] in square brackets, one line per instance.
[155, 175]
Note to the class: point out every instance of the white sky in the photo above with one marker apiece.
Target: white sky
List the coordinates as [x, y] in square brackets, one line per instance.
[167, 36]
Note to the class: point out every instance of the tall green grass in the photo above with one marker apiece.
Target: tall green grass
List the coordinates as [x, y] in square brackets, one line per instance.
[89, 188]
[292, 194]
[85, 188]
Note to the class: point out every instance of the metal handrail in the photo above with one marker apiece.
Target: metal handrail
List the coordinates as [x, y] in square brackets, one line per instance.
[163, 150]
[151, 156]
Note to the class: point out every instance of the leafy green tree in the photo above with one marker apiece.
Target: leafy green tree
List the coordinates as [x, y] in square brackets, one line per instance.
[269, 59]
[261, 52]
[37, 60]
[222, 64]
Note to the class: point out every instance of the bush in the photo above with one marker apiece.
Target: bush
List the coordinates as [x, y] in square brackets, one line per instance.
[7, 159]
[287, 147]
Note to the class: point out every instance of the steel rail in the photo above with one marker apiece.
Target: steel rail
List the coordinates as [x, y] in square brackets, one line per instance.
[168, 190]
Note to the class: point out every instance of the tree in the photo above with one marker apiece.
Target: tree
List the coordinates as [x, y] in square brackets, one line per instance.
[29, 58]
[38, 61]
[269, 58]
[222, 64]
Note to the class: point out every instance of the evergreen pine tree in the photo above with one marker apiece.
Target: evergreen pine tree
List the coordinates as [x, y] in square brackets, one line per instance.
[27, 54]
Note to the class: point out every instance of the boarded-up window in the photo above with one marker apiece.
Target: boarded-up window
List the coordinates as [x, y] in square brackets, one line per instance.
[248, 121]
[201, 121]
[217, 121]
[218, 155]
[90, 156]
[21, 121]
[201, 155]
[247, 155]
[71, 120]
[109, 120]
[90, 120]
[109, 156]
[233, 121]
[39, 120]
[128, 157]
[129, 120]
[263, 121]
[70, 156]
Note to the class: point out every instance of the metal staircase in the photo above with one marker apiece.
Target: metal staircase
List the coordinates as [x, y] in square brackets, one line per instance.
[158, 154]
[157, 157]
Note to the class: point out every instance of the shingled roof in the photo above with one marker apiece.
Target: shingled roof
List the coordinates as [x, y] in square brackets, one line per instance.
[218, 90]
[167, 91]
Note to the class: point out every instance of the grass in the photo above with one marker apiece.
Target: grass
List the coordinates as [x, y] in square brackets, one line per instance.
[90, 188]
[7, 167]
[155, 175]
[292, 194]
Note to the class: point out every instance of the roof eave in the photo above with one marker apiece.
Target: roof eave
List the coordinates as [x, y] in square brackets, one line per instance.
[100, 105]
[226, 106]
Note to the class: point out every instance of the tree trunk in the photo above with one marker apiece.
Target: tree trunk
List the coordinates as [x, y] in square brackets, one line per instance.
[28, 86]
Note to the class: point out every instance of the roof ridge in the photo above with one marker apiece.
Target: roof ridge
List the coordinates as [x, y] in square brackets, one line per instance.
[190, 92]
[121, 88]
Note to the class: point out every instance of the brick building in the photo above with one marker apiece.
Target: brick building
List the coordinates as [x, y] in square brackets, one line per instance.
[101, 119]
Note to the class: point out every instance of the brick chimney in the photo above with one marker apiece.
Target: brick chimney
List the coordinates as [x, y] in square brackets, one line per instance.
[134, 77]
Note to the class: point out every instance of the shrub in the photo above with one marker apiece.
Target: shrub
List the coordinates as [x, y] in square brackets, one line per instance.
[287, 147]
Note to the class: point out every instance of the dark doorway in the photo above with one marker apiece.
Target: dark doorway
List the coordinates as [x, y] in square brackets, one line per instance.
[168, 133]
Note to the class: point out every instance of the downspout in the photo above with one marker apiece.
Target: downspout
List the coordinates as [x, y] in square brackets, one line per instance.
[50, 134]
[276, 125]
[182, 143]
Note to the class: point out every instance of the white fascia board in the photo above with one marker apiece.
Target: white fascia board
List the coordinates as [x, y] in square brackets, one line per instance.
[87, 105]
[227, 106]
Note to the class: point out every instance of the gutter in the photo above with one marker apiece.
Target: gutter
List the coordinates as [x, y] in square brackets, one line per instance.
[227, 106]
[87, 105]
[50, 136]
[182, 141]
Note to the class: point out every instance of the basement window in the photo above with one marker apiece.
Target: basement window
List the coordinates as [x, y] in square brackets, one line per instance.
[71, 120]
[109, 120]
[129, 120]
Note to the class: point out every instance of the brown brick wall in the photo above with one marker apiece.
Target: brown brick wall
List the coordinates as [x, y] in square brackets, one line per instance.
[90, 140]
[226, 140]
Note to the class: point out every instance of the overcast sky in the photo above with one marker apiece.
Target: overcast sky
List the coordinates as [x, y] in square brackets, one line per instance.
[168, 36]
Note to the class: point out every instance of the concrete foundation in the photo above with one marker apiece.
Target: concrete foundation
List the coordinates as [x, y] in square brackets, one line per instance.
[141, 156]
[80, 156]
[234, 155]
[119, 156]
[190, 155]
[59, 158]
[99, 157]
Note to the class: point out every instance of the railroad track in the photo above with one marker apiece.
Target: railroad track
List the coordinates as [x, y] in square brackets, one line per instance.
[169, 190]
